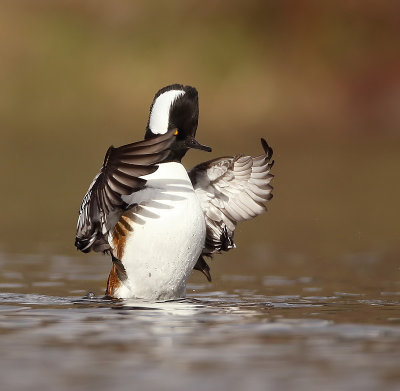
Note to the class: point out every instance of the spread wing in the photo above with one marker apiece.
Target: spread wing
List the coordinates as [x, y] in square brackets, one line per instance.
[231, 189]
[120, 175]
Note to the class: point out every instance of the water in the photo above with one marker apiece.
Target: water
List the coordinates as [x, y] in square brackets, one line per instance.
[256, 332]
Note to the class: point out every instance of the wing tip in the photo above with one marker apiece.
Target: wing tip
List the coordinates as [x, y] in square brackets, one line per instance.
[268, 150]
[84, 245]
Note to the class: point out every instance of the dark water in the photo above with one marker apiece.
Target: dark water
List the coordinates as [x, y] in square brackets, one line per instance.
[256, 332]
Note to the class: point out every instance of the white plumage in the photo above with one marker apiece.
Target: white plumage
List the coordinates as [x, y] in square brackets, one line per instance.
[159, 114]
[167, 237]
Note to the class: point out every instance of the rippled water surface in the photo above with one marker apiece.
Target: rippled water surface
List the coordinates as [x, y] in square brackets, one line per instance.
[240, 332]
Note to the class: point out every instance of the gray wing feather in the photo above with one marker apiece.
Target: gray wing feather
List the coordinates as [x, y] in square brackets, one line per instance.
[230, 190]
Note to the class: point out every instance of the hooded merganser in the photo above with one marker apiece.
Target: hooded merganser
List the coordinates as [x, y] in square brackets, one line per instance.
[155, 219]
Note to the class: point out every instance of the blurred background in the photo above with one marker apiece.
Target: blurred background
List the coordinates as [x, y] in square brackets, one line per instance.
[319, 80]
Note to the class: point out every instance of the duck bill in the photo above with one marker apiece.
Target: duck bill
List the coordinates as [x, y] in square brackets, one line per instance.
[191, 142]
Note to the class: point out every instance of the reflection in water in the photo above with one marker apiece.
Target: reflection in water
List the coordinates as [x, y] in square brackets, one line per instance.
[261, 332]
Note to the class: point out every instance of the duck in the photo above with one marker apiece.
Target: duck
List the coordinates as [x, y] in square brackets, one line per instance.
[159, 221]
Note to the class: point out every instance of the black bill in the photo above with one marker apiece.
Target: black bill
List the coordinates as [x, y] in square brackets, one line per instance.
[191, 142]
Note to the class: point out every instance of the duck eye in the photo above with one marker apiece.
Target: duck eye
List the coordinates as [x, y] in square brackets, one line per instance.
[176, 132]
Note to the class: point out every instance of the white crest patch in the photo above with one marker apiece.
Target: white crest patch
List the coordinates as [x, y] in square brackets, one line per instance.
[159, 116]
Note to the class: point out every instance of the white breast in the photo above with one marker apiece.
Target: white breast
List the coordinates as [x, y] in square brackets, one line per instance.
[167, 237]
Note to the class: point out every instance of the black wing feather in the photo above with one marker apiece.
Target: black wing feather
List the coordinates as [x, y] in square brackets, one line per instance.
[119, 175]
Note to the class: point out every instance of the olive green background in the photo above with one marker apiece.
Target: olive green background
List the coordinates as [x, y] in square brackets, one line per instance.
[319, 80]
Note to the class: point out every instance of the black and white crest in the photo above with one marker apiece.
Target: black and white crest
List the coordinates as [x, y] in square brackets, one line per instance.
[174, 107]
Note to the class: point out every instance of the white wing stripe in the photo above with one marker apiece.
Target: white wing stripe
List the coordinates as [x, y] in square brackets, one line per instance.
[232, 212]
[257, 182]
[253, 205]
[255, 196]
[260, 175]
[247, 212]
